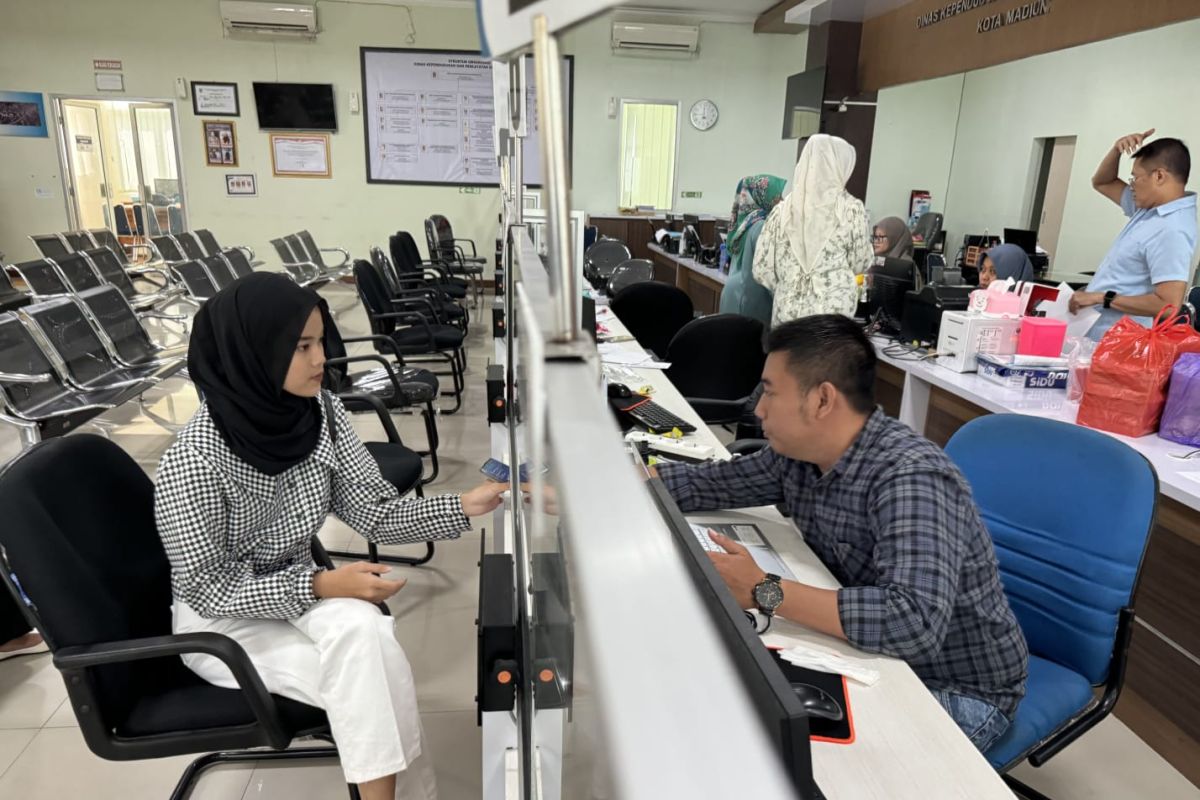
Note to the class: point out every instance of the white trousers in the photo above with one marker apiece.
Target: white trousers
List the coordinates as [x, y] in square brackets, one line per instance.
[342, 656]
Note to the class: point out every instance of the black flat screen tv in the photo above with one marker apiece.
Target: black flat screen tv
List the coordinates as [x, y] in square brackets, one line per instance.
[802, 105]
[295, 106]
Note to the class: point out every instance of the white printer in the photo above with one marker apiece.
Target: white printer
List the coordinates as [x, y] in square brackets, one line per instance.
[965, 334]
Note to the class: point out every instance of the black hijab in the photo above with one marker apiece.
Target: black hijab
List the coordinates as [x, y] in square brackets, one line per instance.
[242, 344]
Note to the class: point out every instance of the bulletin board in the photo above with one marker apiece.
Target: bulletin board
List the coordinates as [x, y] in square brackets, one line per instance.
[429, 117]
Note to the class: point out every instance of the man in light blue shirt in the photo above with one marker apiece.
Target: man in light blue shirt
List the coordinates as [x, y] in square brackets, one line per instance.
[1150, 263]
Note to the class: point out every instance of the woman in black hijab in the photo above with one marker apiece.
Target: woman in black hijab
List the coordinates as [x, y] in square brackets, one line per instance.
[240, 494]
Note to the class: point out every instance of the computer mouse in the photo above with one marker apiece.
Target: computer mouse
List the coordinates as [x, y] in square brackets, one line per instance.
[817, 702]
[619, 390]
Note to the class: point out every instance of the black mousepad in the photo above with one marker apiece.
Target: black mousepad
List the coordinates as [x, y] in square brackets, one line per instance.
[841, 732]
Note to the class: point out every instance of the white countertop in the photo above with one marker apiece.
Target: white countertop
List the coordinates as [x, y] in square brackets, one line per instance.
[1178, 479]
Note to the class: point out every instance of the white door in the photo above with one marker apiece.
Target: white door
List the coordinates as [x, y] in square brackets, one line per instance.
[1055, 199]
[87, 183]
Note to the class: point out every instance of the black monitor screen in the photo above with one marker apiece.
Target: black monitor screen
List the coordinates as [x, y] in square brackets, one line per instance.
[802, 106]
[295, 106]
[1026, 240]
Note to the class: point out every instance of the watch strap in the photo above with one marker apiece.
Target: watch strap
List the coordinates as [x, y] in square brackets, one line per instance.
[1109, 296]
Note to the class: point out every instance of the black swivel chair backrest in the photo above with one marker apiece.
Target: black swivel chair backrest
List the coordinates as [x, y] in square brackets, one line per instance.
[109, 266]
[436, 251]
[928, 226]
[42, 277]
[112, 312]
[220, 272]
[405, 253]
[70, 333]
[635, 270]
[237, 261]
[50, 245]
[653, 312]
[209, 242]
[79, 240]
[718, 358]
[602, 258]
[189, 245]
[444, 233]
[374, 296]
[196, 279]
[169, 249]
[78, 272]
[20, 354]
[385, 270]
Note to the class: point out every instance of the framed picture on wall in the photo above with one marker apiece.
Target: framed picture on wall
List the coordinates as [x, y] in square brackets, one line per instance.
[215, 99]
[22, 114]
[241, 184]
[300, 155]
[220, 143]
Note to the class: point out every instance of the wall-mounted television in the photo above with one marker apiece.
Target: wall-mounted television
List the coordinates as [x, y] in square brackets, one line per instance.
[802, 106]
[295, 106]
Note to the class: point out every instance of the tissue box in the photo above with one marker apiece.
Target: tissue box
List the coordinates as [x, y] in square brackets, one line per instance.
[1042, 337]
[1001, 370]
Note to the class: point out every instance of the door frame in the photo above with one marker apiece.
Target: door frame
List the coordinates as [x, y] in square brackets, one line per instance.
[64, 161]
[74, 215]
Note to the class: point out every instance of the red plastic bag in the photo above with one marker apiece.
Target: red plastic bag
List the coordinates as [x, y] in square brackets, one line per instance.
[1127, 386]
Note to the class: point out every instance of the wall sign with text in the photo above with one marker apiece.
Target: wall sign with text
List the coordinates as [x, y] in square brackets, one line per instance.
[217, 99]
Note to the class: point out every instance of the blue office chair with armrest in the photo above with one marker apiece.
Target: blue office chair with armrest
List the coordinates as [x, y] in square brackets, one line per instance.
[1069, 571]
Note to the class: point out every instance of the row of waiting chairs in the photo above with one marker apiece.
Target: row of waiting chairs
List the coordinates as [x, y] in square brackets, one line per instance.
[192, 245]
[305, 262]
[68, 359]
[55, 245]
[72, 273]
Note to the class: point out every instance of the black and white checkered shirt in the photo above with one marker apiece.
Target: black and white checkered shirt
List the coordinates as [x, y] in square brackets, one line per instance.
[239, 540]
[895, 523]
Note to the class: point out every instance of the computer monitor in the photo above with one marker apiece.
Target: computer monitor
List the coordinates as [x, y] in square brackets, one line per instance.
[890, 278]
[692, 219]
[691, 242]
[770, 691]
[1026, 240]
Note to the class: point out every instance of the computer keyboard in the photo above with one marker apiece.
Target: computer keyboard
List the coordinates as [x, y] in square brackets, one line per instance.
[657, 419]
[706, 542]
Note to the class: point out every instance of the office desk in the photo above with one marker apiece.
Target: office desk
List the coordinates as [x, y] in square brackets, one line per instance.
[1161, 702]
[637, 231]
[906, 746]
[703, 284]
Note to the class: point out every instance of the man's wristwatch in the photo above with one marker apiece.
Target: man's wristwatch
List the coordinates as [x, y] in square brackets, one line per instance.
[768, 594]
[1109, 296]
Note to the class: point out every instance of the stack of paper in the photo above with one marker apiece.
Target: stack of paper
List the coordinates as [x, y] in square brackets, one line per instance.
[614, 353]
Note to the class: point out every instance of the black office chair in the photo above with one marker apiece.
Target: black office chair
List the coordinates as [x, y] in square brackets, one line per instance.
[1192, 306]
[408, 324]
[601, 259]
[448, 243]
[444, 250]
[401, 287]
[130, 345]
[100, 588]
[406, 258]
[653, 312]
[635, 270]
[928, 227]
[716, 363]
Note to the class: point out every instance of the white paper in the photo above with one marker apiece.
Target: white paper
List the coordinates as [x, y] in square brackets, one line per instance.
[1079, 324]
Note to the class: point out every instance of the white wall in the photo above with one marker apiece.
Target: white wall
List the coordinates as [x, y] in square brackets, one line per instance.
[1096, 92]
[49, 46]
[743, 73]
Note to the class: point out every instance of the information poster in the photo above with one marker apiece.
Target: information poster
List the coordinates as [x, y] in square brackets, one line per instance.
[430, 118]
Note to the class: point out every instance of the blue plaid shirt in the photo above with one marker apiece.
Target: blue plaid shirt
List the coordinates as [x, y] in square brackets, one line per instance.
[895, 523]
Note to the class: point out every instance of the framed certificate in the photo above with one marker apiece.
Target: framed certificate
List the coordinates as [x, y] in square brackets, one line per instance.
[300, 155]
[215, 99]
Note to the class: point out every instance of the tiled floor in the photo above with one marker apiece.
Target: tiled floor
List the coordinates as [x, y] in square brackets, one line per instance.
[43, 756]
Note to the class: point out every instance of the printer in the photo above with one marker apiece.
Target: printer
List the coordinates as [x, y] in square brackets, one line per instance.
[923, 310]
[964, 335]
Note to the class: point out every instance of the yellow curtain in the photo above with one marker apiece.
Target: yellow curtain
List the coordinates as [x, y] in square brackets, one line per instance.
[648, 154]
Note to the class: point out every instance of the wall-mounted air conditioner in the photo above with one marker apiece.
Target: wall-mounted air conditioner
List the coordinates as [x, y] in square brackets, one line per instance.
[652, 36]
[246, 17]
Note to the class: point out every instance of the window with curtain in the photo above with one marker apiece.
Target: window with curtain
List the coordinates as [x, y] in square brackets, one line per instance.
[648, 153]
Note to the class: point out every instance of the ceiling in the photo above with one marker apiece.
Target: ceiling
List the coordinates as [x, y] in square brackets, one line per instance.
[746, 10]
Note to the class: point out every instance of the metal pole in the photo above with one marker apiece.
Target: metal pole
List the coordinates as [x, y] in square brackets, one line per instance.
[516, 106]
[554, 160]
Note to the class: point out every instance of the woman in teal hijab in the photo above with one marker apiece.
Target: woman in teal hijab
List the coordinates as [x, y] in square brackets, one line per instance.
[755, 197]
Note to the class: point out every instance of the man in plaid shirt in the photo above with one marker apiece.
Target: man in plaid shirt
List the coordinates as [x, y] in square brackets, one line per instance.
[888, 514]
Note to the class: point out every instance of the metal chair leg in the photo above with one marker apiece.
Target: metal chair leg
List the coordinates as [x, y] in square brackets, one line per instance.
[1023, 790]
[194, 770]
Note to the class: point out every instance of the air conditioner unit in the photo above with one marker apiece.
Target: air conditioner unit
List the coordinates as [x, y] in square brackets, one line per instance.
[246, 17]
[651, 36]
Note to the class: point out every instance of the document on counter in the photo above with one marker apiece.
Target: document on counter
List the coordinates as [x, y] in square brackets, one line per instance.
[614, 353]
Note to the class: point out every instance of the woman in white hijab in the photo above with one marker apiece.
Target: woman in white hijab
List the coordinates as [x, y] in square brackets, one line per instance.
[816, 240]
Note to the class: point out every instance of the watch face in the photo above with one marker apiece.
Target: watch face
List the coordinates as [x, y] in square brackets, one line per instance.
[768, 595]
[704, 115]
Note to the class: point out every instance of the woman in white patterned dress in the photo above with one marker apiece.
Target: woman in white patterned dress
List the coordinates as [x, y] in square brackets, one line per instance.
[818, 239]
